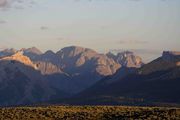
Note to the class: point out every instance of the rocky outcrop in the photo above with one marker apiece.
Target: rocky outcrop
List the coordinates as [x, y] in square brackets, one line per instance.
[32, 50]
[22, 84]
[75, 59]
[74, 66]
[20, 58]
[171, 56]
[48, 68]
[7, 52]
[127, 59]
[167, 61]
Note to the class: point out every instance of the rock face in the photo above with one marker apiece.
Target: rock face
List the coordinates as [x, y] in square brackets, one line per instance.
[171, 56]
[166, 61]
[50, 56]
[33, 53]
[7, 52]
[46, 62]
[48, 68]
[77, 59]
[178, 63]
[157, 81]
[21, 83]
[75, 66]
[85, 66]
[29, 76]
[32, 50]
[20, 58]
[127, 59]
[25, 82]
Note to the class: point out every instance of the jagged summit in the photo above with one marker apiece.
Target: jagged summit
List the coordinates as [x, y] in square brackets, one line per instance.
[49, 52]
[168, 60]
[75, 50]
[75, 58]
[18, 56]
[74, 69]
[10, 50]
[127, 59]
[7, 52]
[171, 55]
[175, 53]
[32, 50]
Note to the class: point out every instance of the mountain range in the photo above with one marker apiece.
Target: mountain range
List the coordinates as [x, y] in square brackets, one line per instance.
[77, 75]
[155, 82]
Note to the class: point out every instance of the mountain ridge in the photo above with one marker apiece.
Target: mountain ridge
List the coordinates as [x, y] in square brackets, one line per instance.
[85, 73]
[140, 87]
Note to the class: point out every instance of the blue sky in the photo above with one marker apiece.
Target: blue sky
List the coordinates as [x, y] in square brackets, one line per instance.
[98, 24]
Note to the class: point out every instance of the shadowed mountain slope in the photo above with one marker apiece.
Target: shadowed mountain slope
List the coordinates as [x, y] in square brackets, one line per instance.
[22, 83]
[157, 81]
[73, 69]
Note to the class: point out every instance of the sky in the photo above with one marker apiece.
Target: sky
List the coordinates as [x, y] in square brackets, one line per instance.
[103, 25]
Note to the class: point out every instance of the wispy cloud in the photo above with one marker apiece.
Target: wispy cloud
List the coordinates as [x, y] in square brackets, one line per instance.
[3, 21]
[132, 42]
[60, 38]
[140, 51]
[16, 4]
[19, 7]
[44, 28]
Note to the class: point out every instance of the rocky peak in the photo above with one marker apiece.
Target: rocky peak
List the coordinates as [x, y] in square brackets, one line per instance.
[49, 52]
[7, 52]
[33, 50]
[47, 68]
[74, 51]
[18, 56]
[125, 54]
[170, 55]
[111, 55]
[75, 55]
[175, 53]
[127, 59]
[49, 55]
[12, 50]
[75, 58]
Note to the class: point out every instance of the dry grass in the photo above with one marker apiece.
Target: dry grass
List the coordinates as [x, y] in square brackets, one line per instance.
[89, 113]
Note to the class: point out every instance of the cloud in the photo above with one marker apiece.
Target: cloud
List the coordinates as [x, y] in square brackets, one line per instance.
[19, 7]
[44, 28]
[140, 51]
[60, 38]
[16, 4]
[3, 3]
[132, 42]
[147, 51]
[63, 39]
[3, 21]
